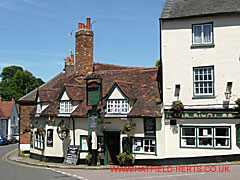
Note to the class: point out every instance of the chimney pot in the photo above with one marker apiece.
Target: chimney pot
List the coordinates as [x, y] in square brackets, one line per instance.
[89, 23]
[0, 98]
[72, 58]
[68, 60]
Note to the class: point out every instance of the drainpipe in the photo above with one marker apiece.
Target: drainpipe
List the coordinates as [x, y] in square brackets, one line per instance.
[73, 131]
[161, 64]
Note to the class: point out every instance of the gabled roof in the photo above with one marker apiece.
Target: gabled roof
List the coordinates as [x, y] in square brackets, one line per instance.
[6, 108]
[193, 8]
[136, 83]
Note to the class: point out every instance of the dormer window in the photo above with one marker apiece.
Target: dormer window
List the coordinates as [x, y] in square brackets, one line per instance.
[66, 106]
[39, 107]
[117, 106]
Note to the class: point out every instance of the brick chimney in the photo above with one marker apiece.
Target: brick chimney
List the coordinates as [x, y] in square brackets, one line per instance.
[69, 65]
[84, 49]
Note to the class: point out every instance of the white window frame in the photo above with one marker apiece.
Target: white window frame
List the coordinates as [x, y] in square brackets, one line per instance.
[222, 137]
[183, 137]
[213, 136]
[39, 141]
[143, 144]
[202, 33]
[204, 84]
[204, 136]
[118, 106]
[66, 107]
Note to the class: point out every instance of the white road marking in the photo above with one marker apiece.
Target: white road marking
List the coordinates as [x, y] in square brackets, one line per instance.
[152, 177]
[70, 175]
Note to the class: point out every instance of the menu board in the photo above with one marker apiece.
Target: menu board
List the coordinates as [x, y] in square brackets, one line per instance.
[149, 127]
[72, 155]
[92, 121]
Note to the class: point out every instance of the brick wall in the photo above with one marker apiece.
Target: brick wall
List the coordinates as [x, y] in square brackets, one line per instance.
[25, 121]
[84, 49]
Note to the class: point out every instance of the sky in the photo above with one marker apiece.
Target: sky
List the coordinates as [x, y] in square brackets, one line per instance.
[35, 34]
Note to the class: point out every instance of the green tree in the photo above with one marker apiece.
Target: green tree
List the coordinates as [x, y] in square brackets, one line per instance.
[158, 63]
[17, 82]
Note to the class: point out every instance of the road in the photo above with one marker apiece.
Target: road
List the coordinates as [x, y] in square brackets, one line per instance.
[10, 171]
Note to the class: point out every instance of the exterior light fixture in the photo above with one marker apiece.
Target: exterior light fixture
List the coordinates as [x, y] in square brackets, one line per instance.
[228, 91]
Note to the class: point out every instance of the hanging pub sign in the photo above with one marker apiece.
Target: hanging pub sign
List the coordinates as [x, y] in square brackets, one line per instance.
[93, 92]
[149, 127]
[93, 121]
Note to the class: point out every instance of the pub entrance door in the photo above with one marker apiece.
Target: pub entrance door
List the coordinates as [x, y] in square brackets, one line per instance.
[112, 146]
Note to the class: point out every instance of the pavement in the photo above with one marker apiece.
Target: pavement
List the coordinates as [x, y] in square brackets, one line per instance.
[13, 156]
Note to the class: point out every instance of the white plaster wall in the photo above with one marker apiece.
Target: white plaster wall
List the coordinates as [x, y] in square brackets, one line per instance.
[179, 59]
[81, 128]
[65, 96]
[116, 94]
[173, 138]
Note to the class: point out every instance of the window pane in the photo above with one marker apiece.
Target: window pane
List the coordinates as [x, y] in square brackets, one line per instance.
[188, 141]
[222, 142]
[207, 33]
[222, 131]
[205, 131]
[188, 131]
[205, 141]
[197, 34]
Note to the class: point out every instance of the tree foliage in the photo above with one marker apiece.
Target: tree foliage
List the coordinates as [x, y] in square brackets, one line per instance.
[17, 82]
[158, 63]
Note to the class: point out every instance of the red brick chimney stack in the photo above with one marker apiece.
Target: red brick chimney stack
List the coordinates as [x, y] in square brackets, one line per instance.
[84, 49]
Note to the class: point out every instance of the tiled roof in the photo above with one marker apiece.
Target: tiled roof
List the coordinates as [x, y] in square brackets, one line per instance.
[137, 83]
[6, 108]
[190, 8]
[48, 94]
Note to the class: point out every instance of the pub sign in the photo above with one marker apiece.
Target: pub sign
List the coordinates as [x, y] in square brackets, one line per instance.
[93, 92]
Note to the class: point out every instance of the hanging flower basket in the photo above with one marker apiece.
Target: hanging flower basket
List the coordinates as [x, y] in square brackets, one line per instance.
[128, 128]
[26, 129]
[177, 106]
[64, 131]
[40, 131]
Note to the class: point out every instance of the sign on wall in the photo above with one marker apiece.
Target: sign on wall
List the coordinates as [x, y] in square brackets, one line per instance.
[149, 127]
[93, 121]
[170, 115]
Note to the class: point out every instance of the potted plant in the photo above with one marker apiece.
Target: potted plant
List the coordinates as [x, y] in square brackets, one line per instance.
[125, 159]
[128, 128]
[89, 159]
[99, 157]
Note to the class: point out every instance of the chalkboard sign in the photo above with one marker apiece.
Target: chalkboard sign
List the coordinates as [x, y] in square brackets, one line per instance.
[92, 121]
[72, 155]
[149, 127]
